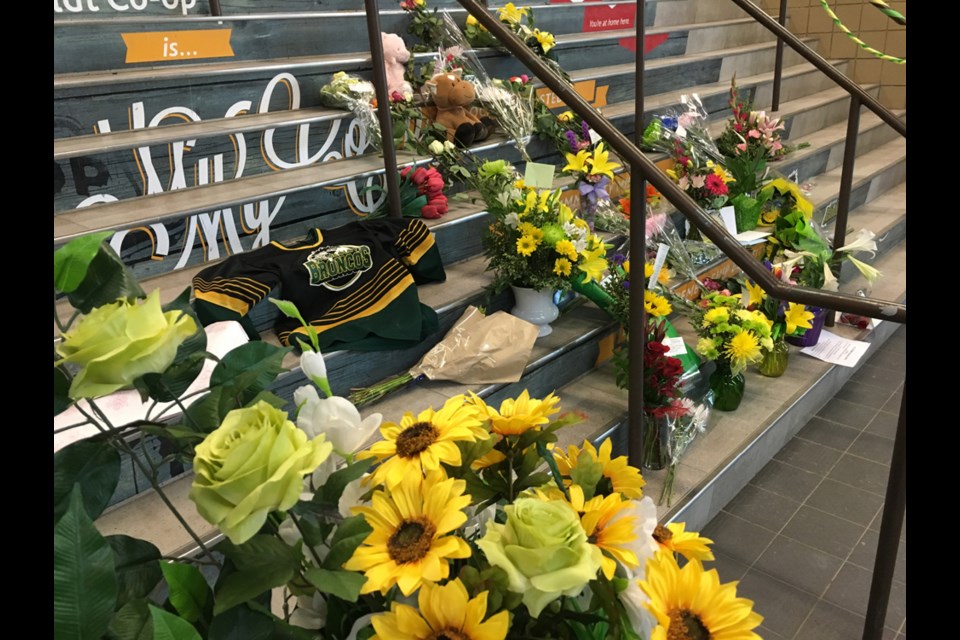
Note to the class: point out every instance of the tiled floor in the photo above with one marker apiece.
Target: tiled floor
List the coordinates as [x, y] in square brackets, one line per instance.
[802, 536]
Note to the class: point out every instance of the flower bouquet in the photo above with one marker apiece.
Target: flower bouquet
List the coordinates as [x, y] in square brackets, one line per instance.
[593, 171]
[732, 336]
[421, 193]
[520, 21]
[787, 320]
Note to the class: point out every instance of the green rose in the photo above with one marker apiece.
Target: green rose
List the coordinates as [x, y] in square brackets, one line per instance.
[252, 464]
[117, 343]
[544, 551]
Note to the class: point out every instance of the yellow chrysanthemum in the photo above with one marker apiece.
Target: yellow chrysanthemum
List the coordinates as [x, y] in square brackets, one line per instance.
[577, 163]
[517, 416]
[532, 230]
[655, 304]
[756, 293]
[743, 348]
[562, 267]
[622, 478]
[444, 612]
[600, 165]
[608, 528]
[526, 245]
[567, 249]
[593, 265]
[674, 538]
[797, 317]
[691, 604]
[511, 13]
[409, 545]
[545, 38]
[420, 443]
[471, 21]
[716, 315]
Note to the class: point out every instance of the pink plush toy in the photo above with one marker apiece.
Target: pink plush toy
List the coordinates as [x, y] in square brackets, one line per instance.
[395, 55]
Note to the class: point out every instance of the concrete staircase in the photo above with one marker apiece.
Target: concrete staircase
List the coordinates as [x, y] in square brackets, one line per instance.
[193, 160]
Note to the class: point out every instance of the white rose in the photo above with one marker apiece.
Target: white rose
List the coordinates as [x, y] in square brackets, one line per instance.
[436, 147]
[335, 417]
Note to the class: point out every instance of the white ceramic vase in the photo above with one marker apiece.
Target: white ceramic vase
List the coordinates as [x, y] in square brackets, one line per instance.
[535, 306]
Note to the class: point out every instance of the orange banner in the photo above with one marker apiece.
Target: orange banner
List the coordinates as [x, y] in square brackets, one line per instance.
[164, 46]
[588, 90]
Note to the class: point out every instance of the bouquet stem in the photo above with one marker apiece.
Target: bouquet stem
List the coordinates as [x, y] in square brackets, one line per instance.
[368, 395]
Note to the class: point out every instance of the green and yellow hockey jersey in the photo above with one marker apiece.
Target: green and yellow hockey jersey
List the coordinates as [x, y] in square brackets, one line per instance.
[355, 284]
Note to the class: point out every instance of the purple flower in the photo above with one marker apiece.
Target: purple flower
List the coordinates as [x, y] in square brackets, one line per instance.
[586, 130]
[618, 259]
[626, 284]
[572, 139]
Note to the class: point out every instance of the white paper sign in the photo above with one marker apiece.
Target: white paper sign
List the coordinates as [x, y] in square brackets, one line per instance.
[836, 350]
[748, 238]
[729, 217]
[676, 347]
[594, 136]
[794, 176]
[662, 251]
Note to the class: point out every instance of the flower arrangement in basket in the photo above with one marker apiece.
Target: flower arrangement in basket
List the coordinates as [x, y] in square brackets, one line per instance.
[535, 241]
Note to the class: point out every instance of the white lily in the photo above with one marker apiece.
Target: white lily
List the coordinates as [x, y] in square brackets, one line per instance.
[864, 241]
[512, 220]
[314, 367]
[311, 612]
[334, 417]
[830, 282]
[351, 496]
[870, 273]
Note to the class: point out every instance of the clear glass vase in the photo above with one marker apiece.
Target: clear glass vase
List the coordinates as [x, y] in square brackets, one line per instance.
[657, 441]
[774, 362]
[727, 387]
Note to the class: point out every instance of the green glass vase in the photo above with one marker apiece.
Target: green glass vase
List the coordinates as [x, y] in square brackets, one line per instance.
[774, 362]
[727, 387]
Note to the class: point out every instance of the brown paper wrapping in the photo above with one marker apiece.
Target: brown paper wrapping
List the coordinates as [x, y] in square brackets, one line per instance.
[480, 349]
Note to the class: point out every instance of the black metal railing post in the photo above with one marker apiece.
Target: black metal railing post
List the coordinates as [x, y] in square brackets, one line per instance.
[383, 108]
[778, 63]
[215, 9]
[638, 251]
[846, 187]
[894, 505]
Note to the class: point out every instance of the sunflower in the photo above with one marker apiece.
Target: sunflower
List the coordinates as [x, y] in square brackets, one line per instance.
[691, 545]
[797, 317]
[608, 526]
[562, 267]
[444, 612]
[620, 477]
[420, 443]
[656, 305]
[526, 245]
[691, 604]
[408, 546]
[743, 348]
[517, 416]
[663, 277]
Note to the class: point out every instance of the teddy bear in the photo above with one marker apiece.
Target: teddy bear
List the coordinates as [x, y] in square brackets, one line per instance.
[395, 56]
[451, 95]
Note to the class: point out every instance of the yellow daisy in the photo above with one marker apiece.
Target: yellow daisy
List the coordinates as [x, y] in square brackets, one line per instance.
[511, 13]
[517, 416]
[600, 165]
[562, 267]
[656, 305]
[532, 230]
[675, 539]
[420, 443]
[797, 317]
[408, 546]
[743, 348]
[620, 477]
[691, 604]
[577, 163]
[526, 245]
[545, 38]
[444, 612]
[567, 249]
[593, 265]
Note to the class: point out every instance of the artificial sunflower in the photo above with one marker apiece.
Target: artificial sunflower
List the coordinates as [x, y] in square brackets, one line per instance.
[517, 416]
[608, 525]
[620, 477]
[526, 245]
[797, 317]
[420, 443]
[409, 545]
[675, 539]
[444, 612]
[655, 304]
[691, 604]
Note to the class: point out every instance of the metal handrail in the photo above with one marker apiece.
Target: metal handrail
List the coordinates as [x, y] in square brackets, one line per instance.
[870, 307]
[785, 35]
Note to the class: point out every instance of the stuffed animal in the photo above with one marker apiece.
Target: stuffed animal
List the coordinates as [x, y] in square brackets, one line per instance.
[395, 56]
[451, 95]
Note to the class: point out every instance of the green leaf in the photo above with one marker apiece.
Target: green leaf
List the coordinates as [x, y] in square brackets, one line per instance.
[587, 474]
[204, 414]
[263, 562]
[136, 566]
[332, 489]
[84, 582]
[189, 592]
[345, 585]
[180, 435]
[248, 369]
[167, 626]
[107, 279]
[533, 480]
[270, 398]
[92, 465]
[131, 622]
[70, 262]
[191, 354]
[349, 535]
[61, 387]
[240, 623]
